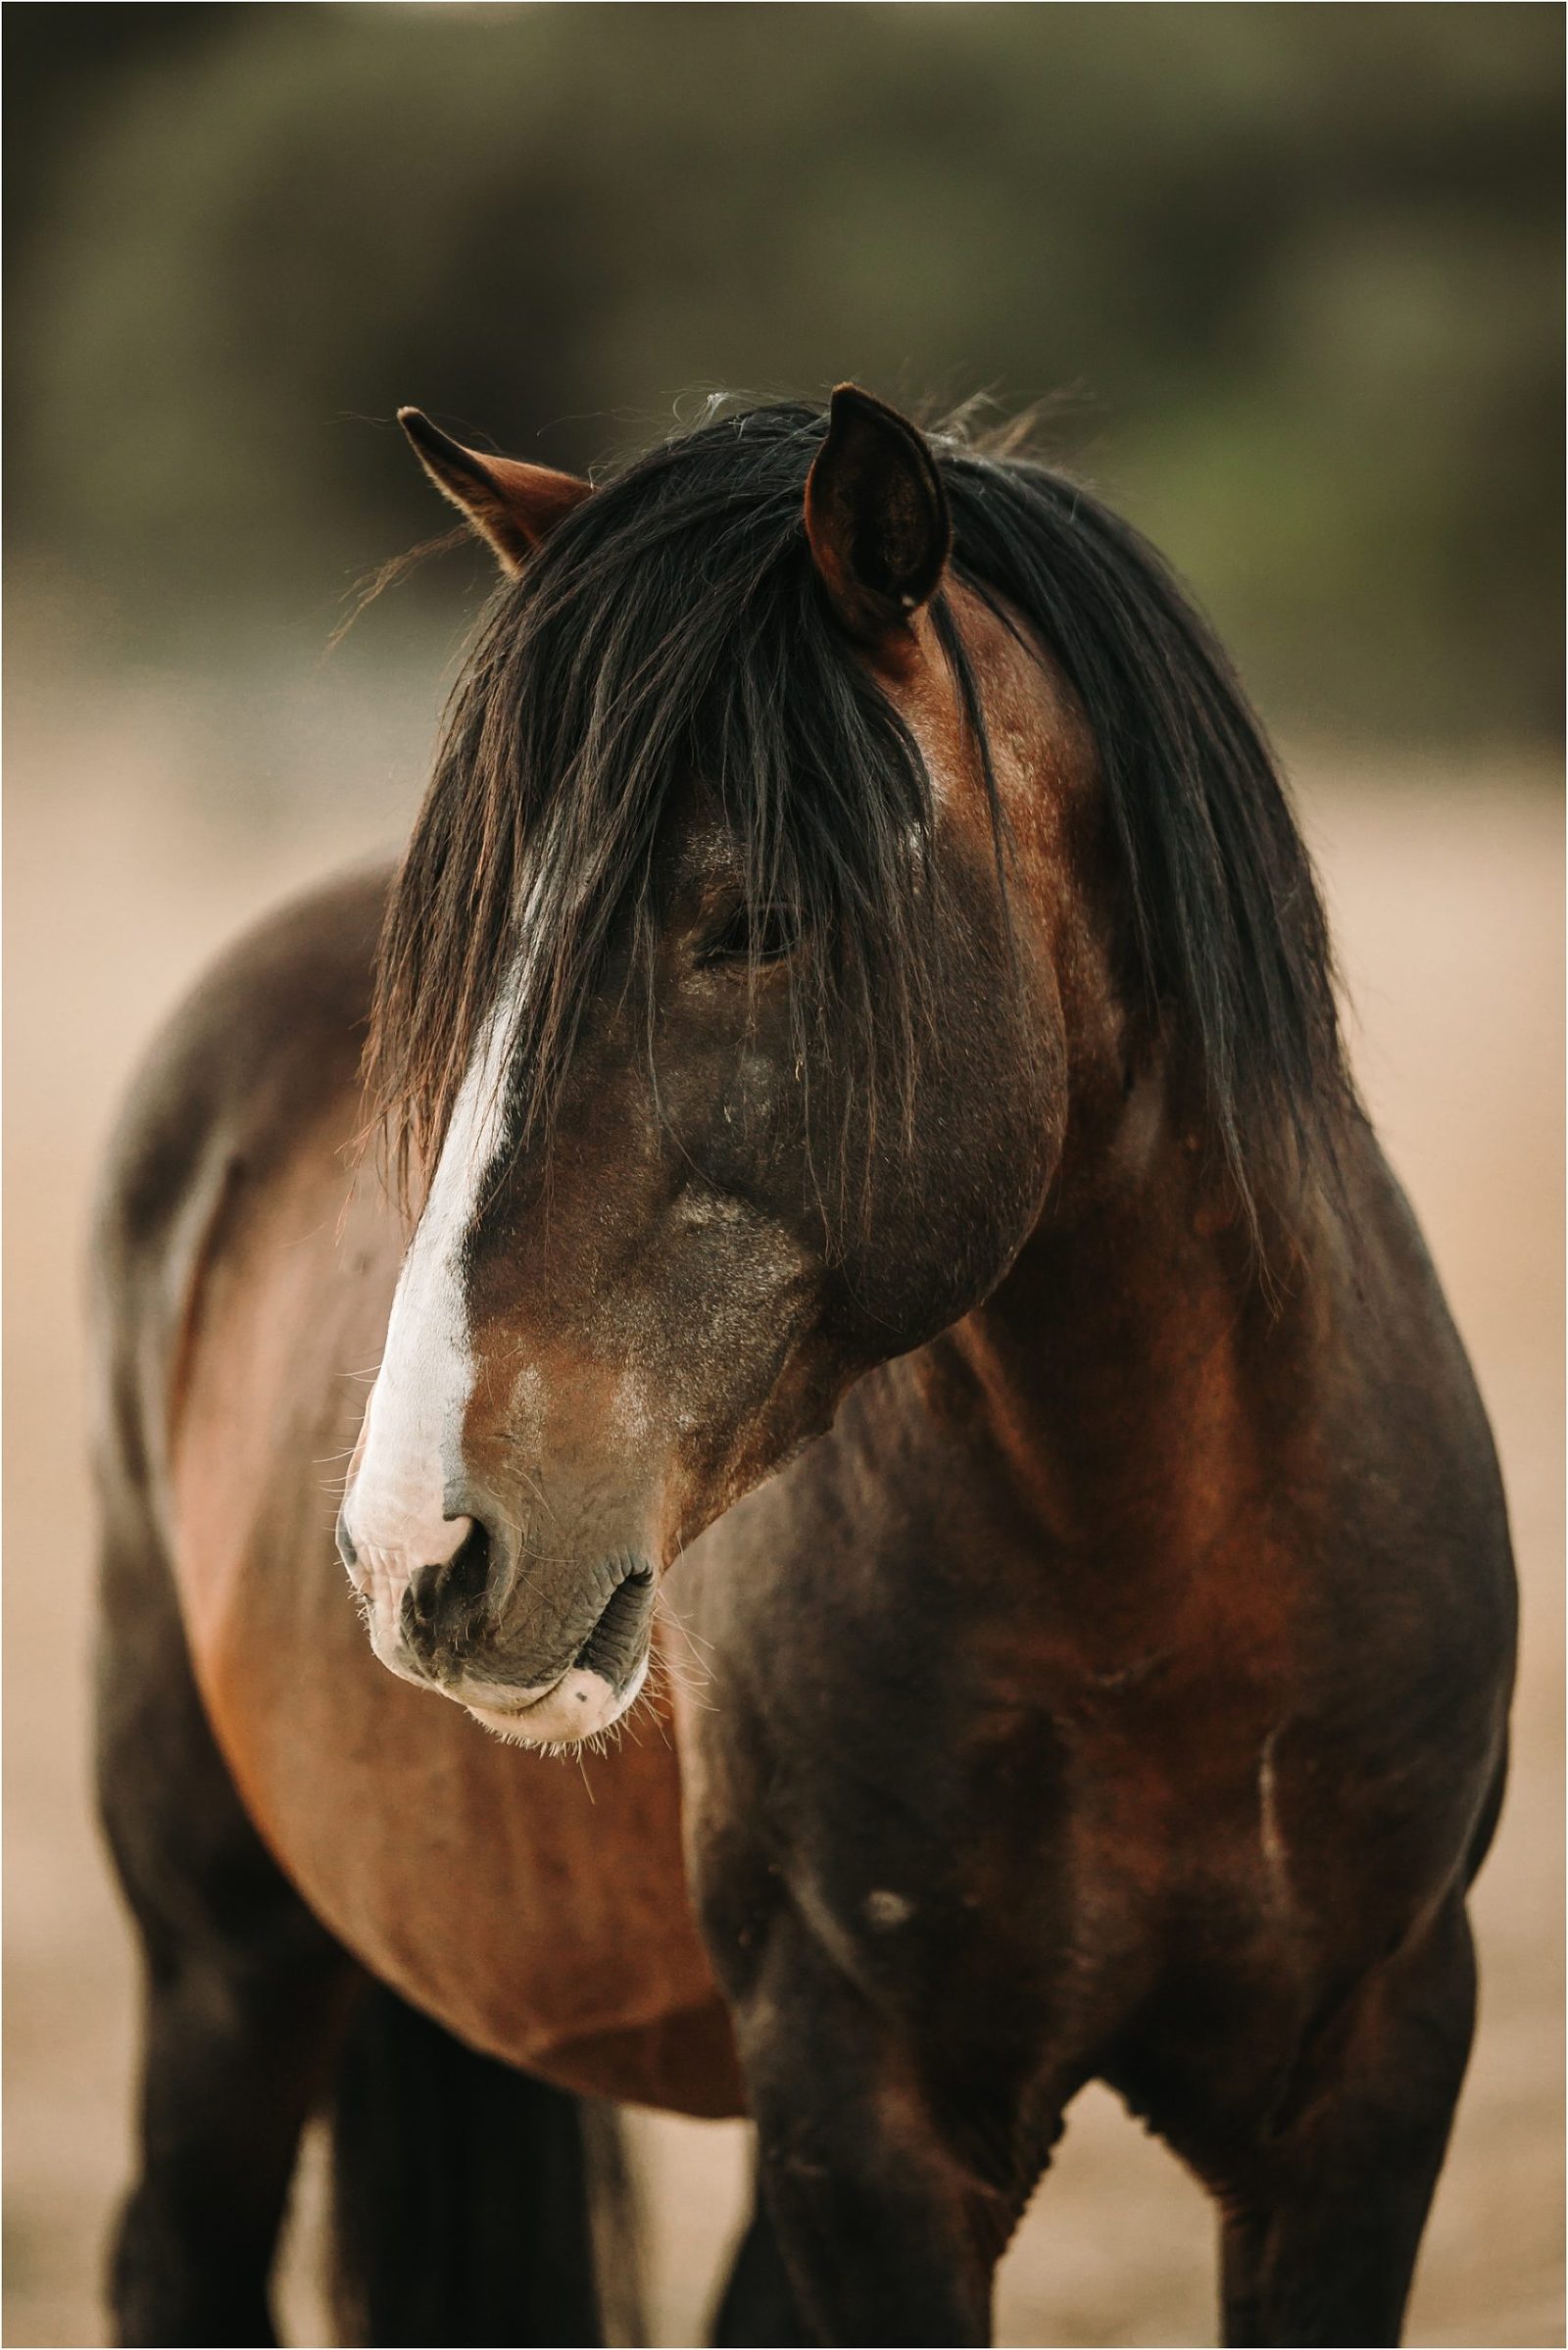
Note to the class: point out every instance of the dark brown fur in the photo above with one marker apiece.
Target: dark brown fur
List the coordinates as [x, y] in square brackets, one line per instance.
[1117, 1689]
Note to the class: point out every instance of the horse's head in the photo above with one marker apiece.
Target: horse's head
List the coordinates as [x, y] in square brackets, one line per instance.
[741, 1069]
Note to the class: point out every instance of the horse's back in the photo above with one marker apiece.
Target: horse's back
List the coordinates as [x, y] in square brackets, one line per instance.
[243, 1279]
[263, 1050]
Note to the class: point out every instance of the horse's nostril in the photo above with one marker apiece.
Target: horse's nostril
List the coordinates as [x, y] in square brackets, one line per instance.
[468, 1570]
[442, 1600]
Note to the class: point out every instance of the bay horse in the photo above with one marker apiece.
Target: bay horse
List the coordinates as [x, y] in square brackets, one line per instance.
[894, 1247]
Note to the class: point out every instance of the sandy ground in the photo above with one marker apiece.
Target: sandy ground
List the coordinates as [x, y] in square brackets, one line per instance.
[126, 868]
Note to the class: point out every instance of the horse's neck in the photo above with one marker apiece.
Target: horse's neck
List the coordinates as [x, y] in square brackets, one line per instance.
[1125, 1374]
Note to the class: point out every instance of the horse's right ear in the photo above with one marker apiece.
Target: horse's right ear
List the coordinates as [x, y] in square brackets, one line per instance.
[511, 505]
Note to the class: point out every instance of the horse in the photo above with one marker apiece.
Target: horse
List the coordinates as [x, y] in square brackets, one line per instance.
[925, 1533]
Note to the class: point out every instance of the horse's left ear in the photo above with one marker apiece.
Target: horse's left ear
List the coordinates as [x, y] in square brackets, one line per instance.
[509, 503]
[876, 517]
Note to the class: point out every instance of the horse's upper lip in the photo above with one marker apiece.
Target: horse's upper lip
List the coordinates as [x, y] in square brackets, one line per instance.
[620, 1631]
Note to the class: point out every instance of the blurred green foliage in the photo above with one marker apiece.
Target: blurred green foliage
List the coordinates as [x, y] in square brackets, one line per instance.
[1298, 267]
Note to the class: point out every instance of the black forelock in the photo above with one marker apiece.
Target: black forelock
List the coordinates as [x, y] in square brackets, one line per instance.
[673, 627]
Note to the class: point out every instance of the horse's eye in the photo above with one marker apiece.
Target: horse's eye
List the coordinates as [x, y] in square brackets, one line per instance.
[766, 934]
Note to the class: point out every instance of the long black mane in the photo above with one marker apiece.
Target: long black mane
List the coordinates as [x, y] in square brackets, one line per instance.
[673, 627]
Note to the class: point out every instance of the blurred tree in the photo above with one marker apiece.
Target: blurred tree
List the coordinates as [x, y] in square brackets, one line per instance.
[65, 61]
[1305, 260]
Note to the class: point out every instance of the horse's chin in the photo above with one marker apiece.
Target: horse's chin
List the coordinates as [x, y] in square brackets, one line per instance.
[578, 1706]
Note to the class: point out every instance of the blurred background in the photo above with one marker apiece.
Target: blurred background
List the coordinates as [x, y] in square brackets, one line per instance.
[1288, 283]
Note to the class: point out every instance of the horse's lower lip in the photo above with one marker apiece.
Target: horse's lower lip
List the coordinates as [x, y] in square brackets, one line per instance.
[579, 1705]
[528, 1704]
[544, 1696]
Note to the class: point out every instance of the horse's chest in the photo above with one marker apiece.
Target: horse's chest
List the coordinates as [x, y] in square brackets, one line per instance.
[1043, 1874]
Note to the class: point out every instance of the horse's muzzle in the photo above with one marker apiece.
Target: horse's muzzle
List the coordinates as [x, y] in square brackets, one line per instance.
[539, 1651]
[602, 1679]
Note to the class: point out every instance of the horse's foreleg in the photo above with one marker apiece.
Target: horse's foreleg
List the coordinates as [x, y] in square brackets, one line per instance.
[888, 2234]
[1323, 2250]
[244, 1994]
[758, 2308]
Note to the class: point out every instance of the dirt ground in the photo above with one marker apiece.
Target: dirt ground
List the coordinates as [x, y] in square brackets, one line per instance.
[126, 868]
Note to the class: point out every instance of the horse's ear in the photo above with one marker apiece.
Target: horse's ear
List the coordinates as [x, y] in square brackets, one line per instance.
[876, 517]
[509, 503]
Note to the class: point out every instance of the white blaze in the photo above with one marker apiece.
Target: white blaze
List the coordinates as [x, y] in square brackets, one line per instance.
[411, 1448]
